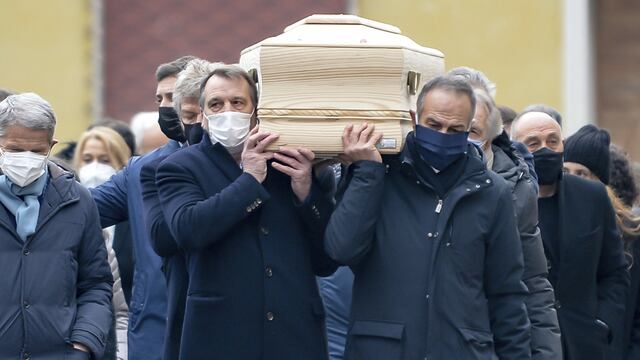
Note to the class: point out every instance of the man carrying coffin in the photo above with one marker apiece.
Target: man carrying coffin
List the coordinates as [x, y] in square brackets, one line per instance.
[431, 237]
[251, 223]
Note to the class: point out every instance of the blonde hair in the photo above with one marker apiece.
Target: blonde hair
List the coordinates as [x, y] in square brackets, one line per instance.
[115, 145]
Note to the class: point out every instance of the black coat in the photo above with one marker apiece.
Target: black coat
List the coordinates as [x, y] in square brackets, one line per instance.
[435, 278]
[630, 342]
[173, 261]
[545, 332]
[252, 255]
[56, 287]
[590, 277]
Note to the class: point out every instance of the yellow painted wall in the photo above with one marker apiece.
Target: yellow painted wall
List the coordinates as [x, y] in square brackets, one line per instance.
[45, 48]
[516, 43]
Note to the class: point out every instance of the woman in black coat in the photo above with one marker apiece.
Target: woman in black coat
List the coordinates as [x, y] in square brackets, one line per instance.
[623, 185]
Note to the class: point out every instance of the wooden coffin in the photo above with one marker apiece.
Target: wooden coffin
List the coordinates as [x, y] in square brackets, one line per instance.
[327, 71]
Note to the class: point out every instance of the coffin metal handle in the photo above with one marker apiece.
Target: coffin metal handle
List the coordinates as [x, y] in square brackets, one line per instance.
[253, 74]
[413, 80]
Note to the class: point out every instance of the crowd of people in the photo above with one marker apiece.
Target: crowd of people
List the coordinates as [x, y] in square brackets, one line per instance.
[489, 236]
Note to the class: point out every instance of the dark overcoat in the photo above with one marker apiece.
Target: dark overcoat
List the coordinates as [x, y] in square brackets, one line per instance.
[589, 274]
[56, 286]
[252, 254]
[435, 277]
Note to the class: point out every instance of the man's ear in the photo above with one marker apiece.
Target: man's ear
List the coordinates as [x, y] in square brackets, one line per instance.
[414, 119]
[254, 118]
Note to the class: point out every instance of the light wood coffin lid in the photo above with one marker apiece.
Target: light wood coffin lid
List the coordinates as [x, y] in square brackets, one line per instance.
[316, 113]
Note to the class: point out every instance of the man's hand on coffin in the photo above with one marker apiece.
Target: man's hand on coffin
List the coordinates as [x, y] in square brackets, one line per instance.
[254, 156]
[359, 143]
[298, 164]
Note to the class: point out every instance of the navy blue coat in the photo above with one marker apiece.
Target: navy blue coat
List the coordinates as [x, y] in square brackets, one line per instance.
[55, 288]
[173, 260]
[120, 199]
[252, 256]
[435, 277]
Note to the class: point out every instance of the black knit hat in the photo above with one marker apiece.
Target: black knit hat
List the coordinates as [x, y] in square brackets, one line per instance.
[589, 146]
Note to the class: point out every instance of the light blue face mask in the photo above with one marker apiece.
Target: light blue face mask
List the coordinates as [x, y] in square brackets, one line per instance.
[478, 143]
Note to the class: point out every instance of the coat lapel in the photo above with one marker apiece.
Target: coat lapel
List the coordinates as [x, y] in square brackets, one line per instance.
[6, 222]
[57, 194]
[564, 230]
[221, 158]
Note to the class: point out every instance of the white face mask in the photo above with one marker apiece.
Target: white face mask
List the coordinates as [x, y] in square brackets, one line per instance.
[229, 128]
[94, 174]
[23, 167]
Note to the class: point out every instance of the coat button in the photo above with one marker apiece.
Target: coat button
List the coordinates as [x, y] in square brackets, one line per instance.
[268, 271]
[26, 305]
[26, 252]
[26, 356]
[428, 296]
[558, 304]
[264, 230]
[270, 316]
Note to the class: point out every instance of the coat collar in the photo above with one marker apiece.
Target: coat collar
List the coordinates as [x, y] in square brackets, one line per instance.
[220, 157]
[507, 167]
[59, 192]
[473, 176]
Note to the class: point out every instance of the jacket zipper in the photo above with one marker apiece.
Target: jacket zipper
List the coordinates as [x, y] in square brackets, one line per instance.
[439, 206]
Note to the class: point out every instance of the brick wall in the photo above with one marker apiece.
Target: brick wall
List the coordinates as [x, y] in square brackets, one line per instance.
[618, 71]
[140, 35]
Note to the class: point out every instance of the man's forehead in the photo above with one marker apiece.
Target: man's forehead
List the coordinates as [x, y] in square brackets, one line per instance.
[537, 122]
[167, 84]
[189, 102]
[219, 86]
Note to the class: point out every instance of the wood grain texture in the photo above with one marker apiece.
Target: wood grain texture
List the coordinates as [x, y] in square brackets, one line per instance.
[324, 135]
[325, 72]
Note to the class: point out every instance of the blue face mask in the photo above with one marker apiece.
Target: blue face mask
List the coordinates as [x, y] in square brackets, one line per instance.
[478, 143]
[440, 150]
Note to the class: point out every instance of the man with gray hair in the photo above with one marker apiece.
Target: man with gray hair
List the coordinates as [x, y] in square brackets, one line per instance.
[501, 157]
[543, 108]
[185, 102]
[56, 282]
[120, 199]
[432, 239]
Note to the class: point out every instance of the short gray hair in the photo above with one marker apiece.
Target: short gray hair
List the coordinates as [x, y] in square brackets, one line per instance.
[190, 79]
[544, 108]
[494, 120]
[28, 110]
[231, 72]
[475, 78]
[514, 125]
[451, 83]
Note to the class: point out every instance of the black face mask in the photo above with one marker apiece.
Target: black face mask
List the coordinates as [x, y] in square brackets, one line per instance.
[548, 165]
[170, 124]
[193, 133]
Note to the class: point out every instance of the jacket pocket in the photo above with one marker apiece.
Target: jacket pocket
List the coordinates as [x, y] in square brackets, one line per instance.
[71, 275]
[370, 340]
[479, 343]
